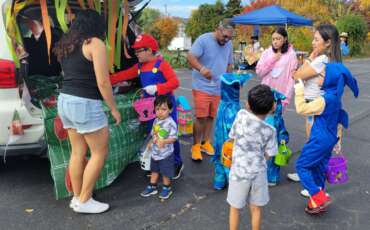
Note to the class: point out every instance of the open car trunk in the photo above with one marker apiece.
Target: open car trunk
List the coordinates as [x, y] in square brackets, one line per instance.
[125, 139]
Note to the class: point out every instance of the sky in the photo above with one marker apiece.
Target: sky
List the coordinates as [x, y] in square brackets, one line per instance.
[182, 8]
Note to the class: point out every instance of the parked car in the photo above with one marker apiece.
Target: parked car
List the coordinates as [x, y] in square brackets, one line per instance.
[14, 97]
[11, 88]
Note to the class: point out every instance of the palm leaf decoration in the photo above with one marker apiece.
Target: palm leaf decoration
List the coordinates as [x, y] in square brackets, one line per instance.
[46, 24]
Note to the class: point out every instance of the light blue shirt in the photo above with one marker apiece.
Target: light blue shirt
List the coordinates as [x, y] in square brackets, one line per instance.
[344, 48]
[215, 58]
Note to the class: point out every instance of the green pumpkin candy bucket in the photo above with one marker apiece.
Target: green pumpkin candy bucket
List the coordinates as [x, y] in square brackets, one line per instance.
[283, 155]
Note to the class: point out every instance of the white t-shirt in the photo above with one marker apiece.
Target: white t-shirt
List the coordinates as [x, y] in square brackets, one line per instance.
[311, 87]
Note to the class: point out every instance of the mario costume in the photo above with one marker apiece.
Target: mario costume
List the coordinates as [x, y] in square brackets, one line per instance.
[156, 77]
[328, 114]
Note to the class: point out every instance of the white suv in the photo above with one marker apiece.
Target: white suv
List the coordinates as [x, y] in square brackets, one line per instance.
[31, 142]
[13, 93]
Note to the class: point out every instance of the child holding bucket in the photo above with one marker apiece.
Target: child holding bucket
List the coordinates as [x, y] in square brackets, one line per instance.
[156, 77]
[164, 134]
[253, 140]
[328, 114]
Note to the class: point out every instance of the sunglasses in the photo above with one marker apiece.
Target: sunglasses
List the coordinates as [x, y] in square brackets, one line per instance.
[137, 51]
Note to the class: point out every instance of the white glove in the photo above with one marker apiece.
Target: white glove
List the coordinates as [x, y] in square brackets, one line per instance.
[150, 89]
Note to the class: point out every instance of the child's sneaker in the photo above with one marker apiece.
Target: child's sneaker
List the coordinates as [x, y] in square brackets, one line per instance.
[91, 207]
[149, 190]
[166, 192]
[196, 155]
[318, 203]
[207, 148]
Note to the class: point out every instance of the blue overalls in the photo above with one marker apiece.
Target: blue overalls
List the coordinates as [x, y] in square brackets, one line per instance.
[153, 78]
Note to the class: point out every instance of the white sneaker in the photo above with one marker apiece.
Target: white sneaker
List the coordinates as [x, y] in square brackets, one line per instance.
[271, 184]
[293, 177]
[91, 206]
[74, 202]
[305, 193]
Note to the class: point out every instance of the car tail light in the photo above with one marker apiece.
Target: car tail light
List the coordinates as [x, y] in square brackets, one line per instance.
[7, 74]
[16, 128]
[26, 126]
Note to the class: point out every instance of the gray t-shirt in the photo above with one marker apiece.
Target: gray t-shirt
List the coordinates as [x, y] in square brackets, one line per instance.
[164, 129]
[253, 138]
[215, 58]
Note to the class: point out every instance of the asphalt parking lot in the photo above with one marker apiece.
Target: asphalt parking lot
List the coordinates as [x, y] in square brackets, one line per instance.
[27, 200]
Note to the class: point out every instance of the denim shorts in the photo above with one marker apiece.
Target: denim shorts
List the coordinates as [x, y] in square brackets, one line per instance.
[166, 166]
[82, 114]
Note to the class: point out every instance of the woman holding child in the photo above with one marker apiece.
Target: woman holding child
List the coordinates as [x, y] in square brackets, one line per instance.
[325, 49]
[325, 86]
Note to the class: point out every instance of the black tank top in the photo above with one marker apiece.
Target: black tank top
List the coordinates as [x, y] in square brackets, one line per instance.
[79, 76]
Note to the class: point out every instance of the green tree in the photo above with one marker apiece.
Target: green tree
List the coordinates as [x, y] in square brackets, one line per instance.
[147, 18]
[205, 19]
[233, 7]
[356, 28]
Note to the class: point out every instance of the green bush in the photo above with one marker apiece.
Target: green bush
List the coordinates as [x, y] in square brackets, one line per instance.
[169, 56]
[356, 28]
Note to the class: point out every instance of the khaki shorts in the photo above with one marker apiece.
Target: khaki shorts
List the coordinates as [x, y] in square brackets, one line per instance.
[206, 105]
[254, 191]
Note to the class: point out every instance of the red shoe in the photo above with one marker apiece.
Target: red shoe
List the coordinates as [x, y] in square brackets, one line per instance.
[318, 203]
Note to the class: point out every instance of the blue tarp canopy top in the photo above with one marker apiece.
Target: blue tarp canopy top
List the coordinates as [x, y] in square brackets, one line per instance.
[271, 15]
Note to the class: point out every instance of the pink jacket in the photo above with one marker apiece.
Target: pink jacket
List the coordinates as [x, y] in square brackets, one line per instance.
[278, 74]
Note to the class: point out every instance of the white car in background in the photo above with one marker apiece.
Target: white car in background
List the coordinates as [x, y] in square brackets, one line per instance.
[12, 99]
[14, 96]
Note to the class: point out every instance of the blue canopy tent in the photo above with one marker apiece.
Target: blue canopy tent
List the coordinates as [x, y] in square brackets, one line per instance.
[271, 15]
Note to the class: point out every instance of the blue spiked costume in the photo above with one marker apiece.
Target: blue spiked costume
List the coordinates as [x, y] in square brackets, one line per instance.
[328, 114]
[226, 113]
[277, 121]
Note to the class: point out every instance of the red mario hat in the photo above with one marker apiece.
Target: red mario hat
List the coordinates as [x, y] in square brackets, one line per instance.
[145, 41]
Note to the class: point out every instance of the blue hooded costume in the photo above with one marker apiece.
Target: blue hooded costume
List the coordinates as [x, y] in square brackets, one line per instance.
[328, 114]
[276, 120]
[226, 113]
